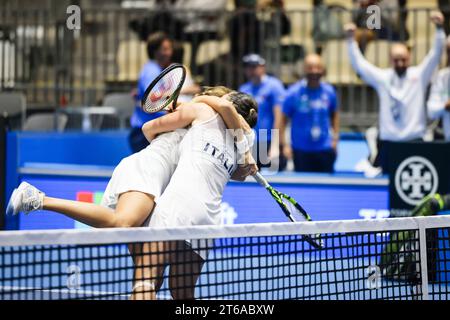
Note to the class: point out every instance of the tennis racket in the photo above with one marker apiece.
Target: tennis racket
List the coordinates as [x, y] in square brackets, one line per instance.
[291, 208]
[164, 90]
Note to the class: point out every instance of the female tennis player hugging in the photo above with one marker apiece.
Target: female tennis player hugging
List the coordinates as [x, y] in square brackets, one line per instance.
[207, 160]
[185, 172]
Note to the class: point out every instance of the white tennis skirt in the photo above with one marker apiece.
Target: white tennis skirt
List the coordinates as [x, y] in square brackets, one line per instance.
[147, 171]
[139, 172]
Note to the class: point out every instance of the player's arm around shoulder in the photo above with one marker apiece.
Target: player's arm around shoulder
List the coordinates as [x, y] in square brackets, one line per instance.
[181, 118]
[203, 112]
[224, 108]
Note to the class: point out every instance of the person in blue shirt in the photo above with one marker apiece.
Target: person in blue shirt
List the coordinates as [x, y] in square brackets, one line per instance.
[312, 106]
[268, 92]
[160, 50]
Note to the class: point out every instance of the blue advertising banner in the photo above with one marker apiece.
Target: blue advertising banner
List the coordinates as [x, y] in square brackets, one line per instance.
[242, 202]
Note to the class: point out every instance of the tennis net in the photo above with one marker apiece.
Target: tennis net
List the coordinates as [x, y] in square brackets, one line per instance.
[401, 258]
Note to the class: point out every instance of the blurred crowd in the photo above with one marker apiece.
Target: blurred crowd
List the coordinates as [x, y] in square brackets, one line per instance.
[309, 107]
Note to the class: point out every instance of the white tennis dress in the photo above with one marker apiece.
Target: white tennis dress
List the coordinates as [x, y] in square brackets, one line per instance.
[147, 171]
[206, 162]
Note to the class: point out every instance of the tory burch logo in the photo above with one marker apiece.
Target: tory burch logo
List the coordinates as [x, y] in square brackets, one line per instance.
[416, 180]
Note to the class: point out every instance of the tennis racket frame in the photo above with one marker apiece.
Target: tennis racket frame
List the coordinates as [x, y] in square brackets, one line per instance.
[278, 197]
[174, 97]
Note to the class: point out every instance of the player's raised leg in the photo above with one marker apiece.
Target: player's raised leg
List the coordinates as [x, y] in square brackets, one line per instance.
[133, 207]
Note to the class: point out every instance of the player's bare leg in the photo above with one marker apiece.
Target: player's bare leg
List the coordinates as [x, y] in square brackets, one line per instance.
[132, 209]
[185, 269]
[149, 270]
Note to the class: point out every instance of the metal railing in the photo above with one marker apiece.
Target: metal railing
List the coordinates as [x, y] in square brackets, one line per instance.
[56, 66]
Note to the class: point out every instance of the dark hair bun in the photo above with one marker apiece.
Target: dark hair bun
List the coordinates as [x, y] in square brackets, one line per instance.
[253, 117]
[246, 106]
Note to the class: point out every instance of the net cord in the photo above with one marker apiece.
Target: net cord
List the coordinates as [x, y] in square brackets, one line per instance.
[128, 235]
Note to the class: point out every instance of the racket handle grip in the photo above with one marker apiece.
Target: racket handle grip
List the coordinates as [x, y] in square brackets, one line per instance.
[261, 180]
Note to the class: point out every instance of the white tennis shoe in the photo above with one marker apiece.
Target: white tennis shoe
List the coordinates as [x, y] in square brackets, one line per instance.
[26, 198]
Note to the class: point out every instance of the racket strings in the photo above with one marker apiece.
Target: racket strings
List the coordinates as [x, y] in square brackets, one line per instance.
[298, 216]
[163, 91]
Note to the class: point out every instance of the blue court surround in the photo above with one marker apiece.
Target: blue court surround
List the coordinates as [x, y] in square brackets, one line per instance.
[63, 164]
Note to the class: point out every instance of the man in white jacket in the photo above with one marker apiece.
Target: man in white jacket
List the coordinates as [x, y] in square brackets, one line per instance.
[401, 89]
[439, 101]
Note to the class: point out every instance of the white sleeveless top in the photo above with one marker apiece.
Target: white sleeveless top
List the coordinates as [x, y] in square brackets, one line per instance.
[207, 160]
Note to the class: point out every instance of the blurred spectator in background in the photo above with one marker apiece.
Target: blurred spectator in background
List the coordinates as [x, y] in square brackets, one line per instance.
[327, 24]
[253, 27]
[202, 19]
[393, 21]
[275, 24]
[160, 52]
[194, 21]
[252, 32]
[401, 89]
[160, 19]
[268, 92]
[312, 106]
[444, 7]
[439, 101]
[243, 28]
[279, 22]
